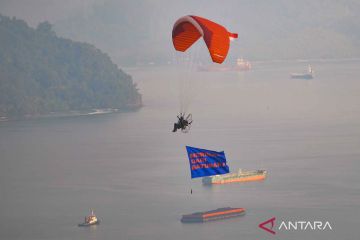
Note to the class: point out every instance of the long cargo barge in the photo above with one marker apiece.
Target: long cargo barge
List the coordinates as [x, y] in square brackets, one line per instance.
[218, 214]
[240, 176]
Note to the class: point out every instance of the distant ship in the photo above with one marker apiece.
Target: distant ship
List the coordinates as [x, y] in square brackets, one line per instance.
[241, 65]
[241, 176]
[308, 75]
[90, 220]
[218, 214]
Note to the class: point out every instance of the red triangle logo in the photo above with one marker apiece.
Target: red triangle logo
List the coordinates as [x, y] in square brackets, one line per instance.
[271, 221]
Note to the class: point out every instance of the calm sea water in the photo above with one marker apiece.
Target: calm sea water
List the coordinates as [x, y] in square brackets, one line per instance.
[134, 173]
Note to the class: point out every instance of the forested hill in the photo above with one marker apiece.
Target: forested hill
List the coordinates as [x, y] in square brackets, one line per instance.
[42, 73]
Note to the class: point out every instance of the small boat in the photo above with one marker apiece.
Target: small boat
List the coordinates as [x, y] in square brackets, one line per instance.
[90, 220]
[218, 214]
[308, 75]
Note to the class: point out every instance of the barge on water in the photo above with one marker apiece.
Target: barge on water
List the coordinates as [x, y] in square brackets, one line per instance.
[240, 176]
[218, 214]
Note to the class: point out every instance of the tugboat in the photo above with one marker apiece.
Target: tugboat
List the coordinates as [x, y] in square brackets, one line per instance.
[308, 75]
[90, 220]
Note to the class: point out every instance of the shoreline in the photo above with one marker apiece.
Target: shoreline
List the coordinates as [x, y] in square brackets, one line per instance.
[72, 113]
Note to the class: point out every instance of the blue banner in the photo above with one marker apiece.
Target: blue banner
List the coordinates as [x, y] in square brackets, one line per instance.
[206, 162]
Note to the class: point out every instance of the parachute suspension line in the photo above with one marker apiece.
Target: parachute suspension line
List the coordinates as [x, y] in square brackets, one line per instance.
[188, 82]
[186, 32]
[179, 60]
[182, 82]
[185, 78]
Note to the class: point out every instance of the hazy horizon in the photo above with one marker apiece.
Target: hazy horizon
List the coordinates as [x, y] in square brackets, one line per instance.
[267, 30]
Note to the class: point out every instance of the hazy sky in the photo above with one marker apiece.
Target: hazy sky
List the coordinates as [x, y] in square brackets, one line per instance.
[268, 29]
[35, 11]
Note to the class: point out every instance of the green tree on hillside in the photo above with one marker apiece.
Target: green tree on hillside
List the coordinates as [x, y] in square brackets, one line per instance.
[42, 73]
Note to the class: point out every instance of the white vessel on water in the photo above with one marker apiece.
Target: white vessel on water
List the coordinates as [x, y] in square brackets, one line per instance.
[90, 220]
[241, 65]
[308, 75]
